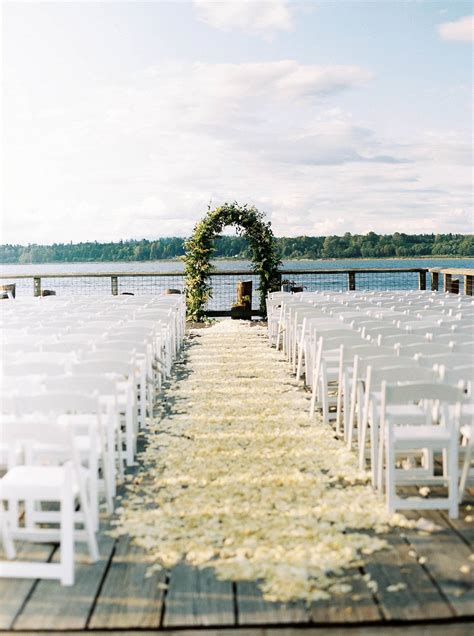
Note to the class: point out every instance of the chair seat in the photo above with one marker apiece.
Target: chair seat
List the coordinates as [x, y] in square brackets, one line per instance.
[30, 480]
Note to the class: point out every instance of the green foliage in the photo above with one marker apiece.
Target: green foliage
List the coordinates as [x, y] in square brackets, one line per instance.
[348, 246]
[200, 249]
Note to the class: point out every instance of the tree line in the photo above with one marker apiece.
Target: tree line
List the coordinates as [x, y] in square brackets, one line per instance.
[349, 245]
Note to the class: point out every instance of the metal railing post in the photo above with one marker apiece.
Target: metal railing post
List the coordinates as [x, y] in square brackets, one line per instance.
[447, 282]
[351, 281]
[468, 287]
[37, 285]
[422, 280]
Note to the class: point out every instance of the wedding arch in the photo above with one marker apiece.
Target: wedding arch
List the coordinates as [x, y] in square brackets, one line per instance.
[251, 224]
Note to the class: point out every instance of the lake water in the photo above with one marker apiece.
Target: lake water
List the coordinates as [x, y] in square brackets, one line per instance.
[224, 287]
[234, 264]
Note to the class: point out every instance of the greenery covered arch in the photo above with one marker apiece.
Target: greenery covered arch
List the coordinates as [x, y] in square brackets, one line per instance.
[251, 224]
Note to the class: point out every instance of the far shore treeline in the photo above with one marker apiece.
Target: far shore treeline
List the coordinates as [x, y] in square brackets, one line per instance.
[370, 245]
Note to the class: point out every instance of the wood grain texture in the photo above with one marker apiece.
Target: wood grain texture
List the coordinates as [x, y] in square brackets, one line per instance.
[54, 606]
[14, 592]
[128, 599]
[253, 609]
[196, 597]
[419, 599]
[447, 562]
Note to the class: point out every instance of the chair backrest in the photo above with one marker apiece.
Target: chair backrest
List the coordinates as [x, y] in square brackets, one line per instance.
[114, 355]
[376, 375]
[449, 360]
[109, 367]
[417, 391]
[58, 403]
[427, 348]
[33, 369]
[402, 338]
[17, 430]
[82, 383]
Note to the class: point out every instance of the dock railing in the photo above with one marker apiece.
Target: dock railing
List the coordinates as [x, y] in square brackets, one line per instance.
[224, 282]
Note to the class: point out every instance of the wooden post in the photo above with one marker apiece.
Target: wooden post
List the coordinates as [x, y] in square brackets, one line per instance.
[468, 287]
[37, 285]
[114, 284]
[352, 281]
[434, 281]
[422, 280]
[447, 282]
[242, 309]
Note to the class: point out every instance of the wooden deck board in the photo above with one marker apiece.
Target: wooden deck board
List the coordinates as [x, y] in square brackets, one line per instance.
[446, 556]
[127, 598]
[253, 609]
[419, 598]
[197, 598]
[14, 592]
[356, 606]
[54, 606]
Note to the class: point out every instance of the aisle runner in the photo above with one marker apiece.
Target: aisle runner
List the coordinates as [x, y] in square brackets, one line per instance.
[236, 477]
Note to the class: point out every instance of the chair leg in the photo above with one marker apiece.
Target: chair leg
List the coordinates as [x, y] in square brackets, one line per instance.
[465, 470]
[88, 523]
[453, 479]
[340, 393]
[8, 545]
[390, 473]
[67, 538]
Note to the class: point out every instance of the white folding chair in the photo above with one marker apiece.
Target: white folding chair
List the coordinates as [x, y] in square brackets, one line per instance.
[441, 436]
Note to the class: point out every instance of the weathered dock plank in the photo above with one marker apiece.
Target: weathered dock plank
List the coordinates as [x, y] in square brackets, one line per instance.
[197, 598]
[127, 598]
[447, 562]
[357, 606]
[15, 592]
[417, 597]
[53, 606]
[253, 609]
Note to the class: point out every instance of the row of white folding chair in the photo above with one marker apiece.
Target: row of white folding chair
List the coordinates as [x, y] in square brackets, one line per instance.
[29, 372]
[387, 357]
[93, 416]
[63, 480]
[378, 372]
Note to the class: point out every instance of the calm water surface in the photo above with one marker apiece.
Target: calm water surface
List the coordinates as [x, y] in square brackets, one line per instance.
[178, 266]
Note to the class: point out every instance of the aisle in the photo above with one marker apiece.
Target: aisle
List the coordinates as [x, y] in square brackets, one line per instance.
[237, 478]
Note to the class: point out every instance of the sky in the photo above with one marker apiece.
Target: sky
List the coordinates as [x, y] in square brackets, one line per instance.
[124, 119]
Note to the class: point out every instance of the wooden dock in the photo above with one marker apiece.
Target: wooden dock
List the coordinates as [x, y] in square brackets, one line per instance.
[115, 594]
[423, 585]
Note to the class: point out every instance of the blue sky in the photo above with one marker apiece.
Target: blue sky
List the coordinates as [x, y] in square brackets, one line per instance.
[124, 119]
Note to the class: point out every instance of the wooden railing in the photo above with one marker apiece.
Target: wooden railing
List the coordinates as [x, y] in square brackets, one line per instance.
[451, 277]
[224, 282]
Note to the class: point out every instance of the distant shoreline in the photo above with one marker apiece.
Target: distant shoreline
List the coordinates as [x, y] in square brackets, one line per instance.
[246, 260]
[233, 258]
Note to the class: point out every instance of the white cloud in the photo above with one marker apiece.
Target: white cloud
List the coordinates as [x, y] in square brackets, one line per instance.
[143, 158]
[461, 30]
[260, 17]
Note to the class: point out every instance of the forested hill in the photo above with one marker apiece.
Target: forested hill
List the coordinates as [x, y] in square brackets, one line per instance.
[370, 245]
